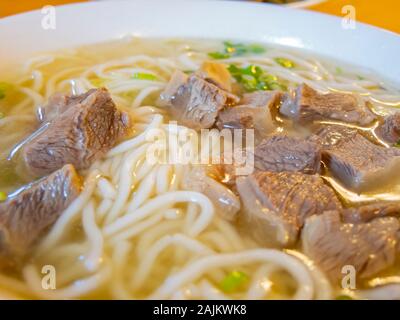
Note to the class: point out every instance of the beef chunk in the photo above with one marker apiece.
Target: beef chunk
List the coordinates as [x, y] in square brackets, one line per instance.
[216, 73]
[389, 129]
[276, 204]
[309, 105]
[245, 117]
[178, 80]
[330, 135]
[34, 208]
[277, 153]
[356, 161]
[224, 200]
[194, 101]
[59, 102]
[265, 99]
[56, 105]
[253, 113]
[87, 128]
[368, 212]
[239, 162]
[369, 247]
[282, 153]
[241, 117]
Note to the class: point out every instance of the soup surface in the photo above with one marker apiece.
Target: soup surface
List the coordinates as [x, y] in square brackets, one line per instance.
[145, 229]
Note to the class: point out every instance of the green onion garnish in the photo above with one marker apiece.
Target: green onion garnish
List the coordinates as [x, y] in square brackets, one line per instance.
[219, 55]
[254, 78]
[236, 49]
[233, 281]
[144, 76]
[339, 70]
[286, 63]
[256, 48]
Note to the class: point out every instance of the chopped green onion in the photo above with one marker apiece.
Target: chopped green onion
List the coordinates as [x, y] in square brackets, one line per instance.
[360, 77]
[234, 70]
[397, 144]
[249, 82]
[233, 281]
[268, 78]
[236, 49]
[3, 196]
[251, 70]
[144, 76]
[254, 78]
[343, 297]
[2, 115]
[188, 71]
[219, 55]
[256, 48]
[4, 86]
[239, 49]
[339, 70]
[286, 63]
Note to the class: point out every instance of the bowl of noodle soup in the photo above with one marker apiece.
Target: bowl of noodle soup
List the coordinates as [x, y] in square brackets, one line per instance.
[135, 231]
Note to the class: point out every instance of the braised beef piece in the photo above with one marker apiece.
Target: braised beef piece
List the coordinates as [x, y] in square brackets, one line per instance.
[33, 209]
[308, 105]
[60, 102]
[225, 201]
[329, 135]
[195, 102]
[240, 162]
[81, 130]
[368, 212]
[178, 79]
[389, 129]
[275, 205]
[269, 99]
[283, 153]
[240, 117]
[369, 247]
[253, 113]
[359, 163]
[276, 153]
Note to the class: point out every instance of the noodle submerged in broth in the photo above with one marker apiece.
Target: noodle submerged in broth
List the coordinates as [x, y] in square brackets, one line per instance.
[135, 231]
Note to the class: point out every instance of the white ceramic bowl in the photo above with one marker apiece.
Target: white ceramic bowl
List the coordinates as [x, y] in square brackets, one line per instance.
[22, 35]
[304, 3]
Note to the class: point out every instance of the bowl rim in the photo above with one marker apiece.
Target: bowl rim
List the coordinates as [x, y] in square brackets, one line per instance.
[81, 23]
[305, 3]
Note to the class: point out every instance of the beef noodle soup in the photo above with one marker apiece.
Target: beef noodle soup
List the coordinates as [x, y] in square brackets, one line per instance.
[92, 206]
